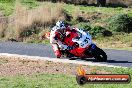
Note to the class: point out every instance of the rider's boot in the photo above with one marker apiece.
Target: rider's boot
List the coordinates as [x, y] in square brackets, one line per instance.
[71, 57]
[58, 53]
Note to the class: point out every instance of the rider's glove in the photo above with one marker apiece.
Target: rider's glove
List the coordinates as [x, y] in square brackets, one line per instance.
[69, 48]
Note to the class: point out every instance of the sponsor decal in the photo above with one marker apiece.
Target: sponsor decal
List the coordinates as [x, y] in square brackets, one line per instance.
[83, 78]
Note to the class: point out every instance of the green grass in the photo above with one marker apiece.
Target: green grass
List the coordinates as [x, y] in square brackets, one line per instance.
[30, 3]
[58, 80]
[120, 40]
[104, 10]
[7, 6]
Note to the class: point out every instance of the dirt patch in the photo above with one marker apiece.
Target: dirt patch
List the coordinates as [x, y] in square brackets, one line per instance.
[14, 66]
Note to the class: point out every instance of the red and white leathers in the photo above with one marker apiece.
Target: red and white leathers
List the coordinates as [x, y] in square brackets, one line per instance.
[56, 41]
[84, 40]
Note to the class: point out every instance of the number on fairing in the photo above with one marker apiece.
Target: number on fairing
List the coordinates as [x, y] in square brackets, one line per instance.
[85, 41]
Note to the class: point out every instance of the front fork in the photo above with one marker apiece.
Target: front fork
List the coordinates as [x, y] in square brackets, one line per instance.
[91, 50]
[93, 46]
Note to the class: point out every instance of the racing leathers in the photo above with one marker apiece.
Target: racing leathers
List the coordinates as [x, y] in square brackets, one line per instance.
[56, 39]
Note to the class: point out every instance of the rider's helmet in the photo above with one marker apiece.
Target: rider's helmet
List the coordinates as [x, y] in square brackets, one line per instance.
[60, 25]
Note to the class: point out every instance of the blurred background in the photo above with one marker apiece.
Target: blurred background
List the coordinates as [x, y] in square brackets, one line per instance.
[108, 21]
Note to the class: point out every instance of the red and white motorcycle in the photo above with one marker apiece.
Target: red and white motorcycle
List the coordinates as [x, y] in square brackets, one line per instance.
[82, 47]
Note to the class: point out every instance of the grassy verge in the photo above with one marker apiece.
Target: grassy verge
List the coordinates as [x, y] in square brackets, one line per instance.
[116, 41]
[109, 10]
[58, 80]
[128, 49]
[24, 73]
[7, 7]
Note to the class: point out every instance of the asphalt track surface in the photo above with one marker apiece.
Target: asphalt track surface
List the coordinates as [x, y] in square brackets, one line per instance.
[115, 57]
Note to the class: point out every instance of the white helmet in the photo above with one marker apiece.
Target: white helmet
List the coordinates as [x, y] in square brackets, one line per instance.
[60, 25]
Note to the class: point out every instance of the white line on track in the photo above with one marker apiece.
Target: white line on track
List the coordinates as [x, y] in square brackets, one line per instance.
[56, 60]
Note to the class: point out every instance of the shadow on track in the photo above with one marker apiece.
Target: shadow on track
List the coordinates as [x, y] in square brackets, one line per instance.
[113, 61]
[108, 61]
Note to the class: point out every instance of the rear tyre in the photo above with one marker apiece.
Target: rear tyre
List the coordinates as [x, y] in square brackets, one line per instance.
[100, 55]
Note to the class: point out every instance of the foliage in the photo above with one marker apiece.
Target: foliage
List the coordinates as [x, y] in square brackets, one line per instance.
[117, 40]
[93, 2]
[130, 14]
[29, 32]
[7, 1]
[30, 3]
[6, 8]
[94, 31]
[120, 23]
[84, 26]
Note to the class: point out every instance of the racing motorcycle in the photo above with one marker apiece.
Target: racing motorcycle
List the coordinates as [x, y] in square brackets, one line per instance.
[81, 47]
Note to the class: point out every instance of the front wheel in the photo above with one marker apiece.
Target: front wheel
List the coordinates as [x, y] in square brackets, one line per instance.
[100, 55]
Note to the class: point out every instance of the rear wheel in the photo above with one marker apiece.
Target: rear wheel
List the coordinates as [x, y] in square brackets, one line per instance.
[100, 55]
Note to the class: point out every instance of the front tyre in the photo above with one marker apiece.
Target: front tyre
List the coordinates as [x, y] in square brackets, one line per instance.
[100, 55]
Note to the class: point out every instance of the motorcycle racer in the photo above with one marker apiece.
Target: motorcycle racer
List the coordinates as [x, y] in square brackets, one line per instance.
[57, 35]
[74, 43]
